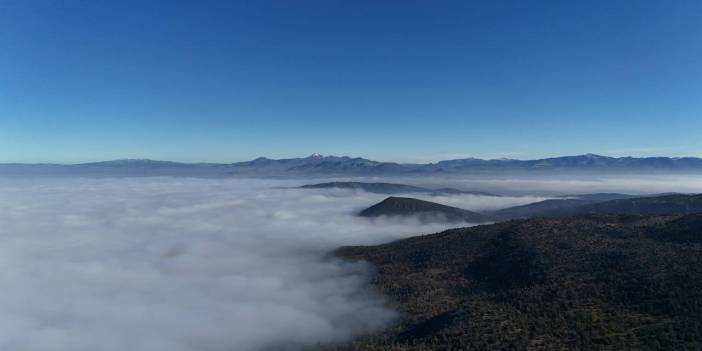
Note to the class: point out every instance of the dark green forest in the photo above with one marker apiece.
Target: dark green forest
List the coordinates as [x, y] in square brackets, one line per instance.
[594, 282]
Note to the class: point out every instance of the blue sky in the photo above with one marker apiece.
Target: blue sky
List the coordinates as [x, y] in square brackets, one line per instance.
[388, 80]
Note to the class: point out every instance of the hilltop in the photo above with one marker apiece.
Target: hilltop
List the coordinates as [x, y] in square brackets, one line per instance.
[425, 210]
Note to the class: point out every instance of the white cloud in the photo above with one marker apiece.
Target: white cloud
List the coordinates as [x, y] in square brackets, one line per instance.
[183, 264]
[199, 264]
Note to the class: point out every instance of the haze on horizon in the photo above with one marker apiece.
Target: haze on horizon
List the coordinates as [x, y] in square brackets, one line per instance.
[406, 81]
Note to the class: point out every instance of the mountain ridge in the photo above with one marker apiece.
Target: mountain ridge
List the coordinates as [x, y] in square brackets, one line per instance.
[319, 165]
[393, 188]
[617, 203]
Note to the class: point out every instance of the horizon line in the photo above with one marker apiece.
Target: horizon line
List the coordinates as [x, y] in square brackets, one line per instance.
[316, 155]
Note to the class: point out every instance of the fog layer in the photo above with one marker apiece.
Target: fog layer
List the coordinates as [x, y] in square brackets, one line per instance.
[191, 264]
[184, 264]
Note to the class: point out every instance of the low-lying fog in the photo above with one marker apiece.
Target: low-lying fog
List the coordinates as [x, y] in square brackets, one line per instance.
[561, 183]
[189, 264]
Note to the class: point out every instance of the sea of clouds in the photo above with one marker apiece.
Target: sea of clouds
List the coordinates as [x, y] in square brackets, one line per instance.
[184, 264]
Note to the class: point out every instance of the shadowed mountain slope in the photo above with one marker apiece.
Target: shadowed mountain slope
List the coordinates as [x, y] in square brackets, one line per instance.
[594, 282]
[425, 210]
[546, 208]
[666, 204]
[598, 197]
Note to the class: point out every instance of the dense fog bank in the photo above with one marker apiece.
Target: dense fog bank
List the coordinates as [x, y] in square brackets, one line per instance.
[190, 264]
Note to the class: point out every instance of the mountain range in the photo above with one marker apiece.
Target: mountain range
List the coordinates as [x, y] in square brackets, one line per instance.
[318, 165]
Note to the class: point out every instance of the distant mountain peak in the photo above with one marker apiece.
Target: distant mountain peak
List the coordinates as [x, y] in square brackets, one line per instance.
[318, 164]
[132, 160]
[590, 155]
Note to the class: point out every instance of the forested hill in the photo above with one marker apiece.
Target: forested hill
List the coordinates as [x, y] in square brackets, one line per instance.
[592, 282]
[643, 205]
[424, 210]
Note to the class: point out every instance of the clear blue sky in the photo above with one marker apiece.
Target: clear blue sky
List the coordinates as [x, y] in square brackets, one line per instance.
[388, 80]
